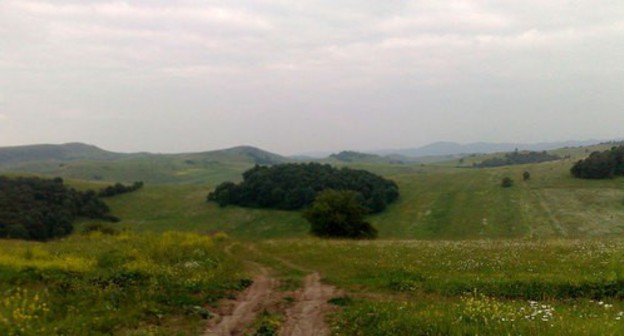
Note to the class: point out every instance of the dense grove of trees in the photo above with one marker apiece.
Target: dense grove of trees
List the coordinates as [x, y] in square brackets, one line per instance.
[516, 158]
[600, 165]
[294, 186]
[119, 188]
[41, 209]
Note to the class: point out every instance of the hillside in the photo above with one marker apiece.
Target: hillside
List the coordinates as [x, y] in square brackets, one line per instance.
[436, 202]
[91, 163]
[443, 148]
[14, 156]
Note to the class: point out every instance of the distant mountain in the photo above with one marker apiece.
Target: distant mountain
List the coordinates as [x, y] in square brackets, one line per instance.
[67, 152]
[453, 148]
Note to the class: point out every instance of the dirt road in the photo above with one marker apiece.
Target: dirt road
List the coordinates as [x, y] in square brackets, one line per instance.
[305, 316]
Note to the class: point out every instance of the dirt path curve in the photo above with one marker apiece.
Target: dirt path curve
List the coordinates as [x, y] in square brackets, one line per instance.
[246, 307]
[307, 316]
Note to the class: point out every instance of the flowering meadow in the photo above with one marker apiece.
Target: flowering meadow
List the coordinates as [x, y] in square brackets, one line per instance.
[124, 284]
[488, 287]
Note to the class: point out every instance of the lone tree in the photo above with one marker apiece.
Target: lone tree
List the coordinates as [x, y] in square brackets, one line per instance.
[526, 176]
[339, 214]
[506, 182]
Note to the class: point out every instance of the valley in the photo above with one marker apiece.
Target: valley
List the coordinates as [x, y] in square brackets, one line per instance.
[456, 254]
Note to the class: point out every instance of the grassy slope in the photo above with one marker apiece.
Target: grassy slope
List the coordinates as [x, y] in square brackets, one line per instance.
[192, 168]
[435, 203]
[184, 207]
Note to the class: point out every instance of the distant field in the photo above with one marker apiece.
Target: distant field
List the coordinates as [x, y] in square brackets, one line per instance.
[436, 203]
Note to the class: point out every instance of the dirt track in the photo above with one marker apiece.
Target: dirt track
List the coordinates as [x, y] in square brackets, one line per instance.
[305, 317]
[246, 307]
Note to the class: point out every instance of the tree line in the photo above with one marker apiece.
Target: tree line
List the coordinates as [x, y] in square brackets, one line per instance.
[601, 165]
[118, 188]
[41, 209]
[517, 158]
[294, 186]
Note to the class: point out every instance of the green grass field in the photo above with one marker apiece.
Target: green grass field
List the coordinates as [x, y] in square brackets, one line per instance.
[436, 203]
[458, 254]
[492, 287]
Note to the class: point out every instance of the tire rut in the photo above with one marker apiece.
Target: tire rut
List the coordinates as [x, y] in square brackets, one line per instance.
[246, 308]
[307, 316]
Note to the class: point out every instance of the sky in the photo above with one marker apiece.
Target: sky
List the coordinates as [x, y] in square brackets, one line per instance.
[301, 76]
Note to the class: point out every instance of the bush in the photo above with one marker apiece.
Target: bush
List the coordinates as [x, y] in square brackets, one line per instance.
[339, 214]
[526, 176]
[506, 182]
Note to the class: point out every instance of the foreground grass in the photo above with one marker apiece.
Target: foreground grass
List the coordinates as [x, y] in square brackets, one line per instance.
[553, 287]
[129, 284]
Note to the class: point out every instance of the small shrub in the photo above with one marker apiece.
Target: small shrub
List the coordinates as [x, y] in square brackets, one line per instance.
[526, 176]
[506, 182]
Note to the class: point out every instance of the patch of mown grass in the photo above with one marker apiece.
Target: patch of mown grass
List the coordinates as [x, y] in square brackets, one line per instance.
[99, 284]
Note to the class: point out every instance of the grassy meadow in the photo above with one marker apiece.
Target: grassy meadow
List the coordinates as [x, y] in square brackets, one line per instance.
[492, 287]
[457, 255]
[126, 284]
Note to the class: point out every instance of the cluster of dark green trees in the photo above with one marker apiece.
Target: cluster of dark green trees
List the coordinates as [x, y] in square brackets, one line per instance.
[118, 188]
[339, 214]
[294, 186]
[42, 209]
[601, 165]
[516, 158]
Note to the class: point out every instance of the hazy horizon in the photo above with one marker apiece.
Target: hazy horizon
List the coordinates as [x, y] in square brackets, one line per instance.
[311, 76]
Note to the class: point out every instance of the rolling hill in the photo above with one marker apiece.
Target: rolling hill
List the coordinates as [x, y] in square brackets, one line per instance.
[86, 162]
[452, 148]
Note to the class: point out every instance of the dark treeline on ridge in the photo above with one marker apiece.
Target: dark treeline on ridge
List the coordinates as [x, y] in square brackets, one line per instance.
[118, 188]
[601, 165]
[517, 158]
[294, 186]
[41, 209]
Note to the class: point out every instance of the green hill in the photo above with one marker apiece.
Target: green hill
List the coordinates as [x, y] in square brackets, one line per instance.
[14, 156]
[85, 162]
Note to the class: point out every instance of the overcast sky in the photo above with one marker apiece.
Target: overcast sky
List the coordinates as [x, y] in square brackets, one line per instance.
[301, 75]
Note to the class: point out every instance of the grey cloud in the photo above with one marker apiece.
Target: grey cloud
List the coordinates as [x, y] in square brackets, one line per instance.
[307, 75]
